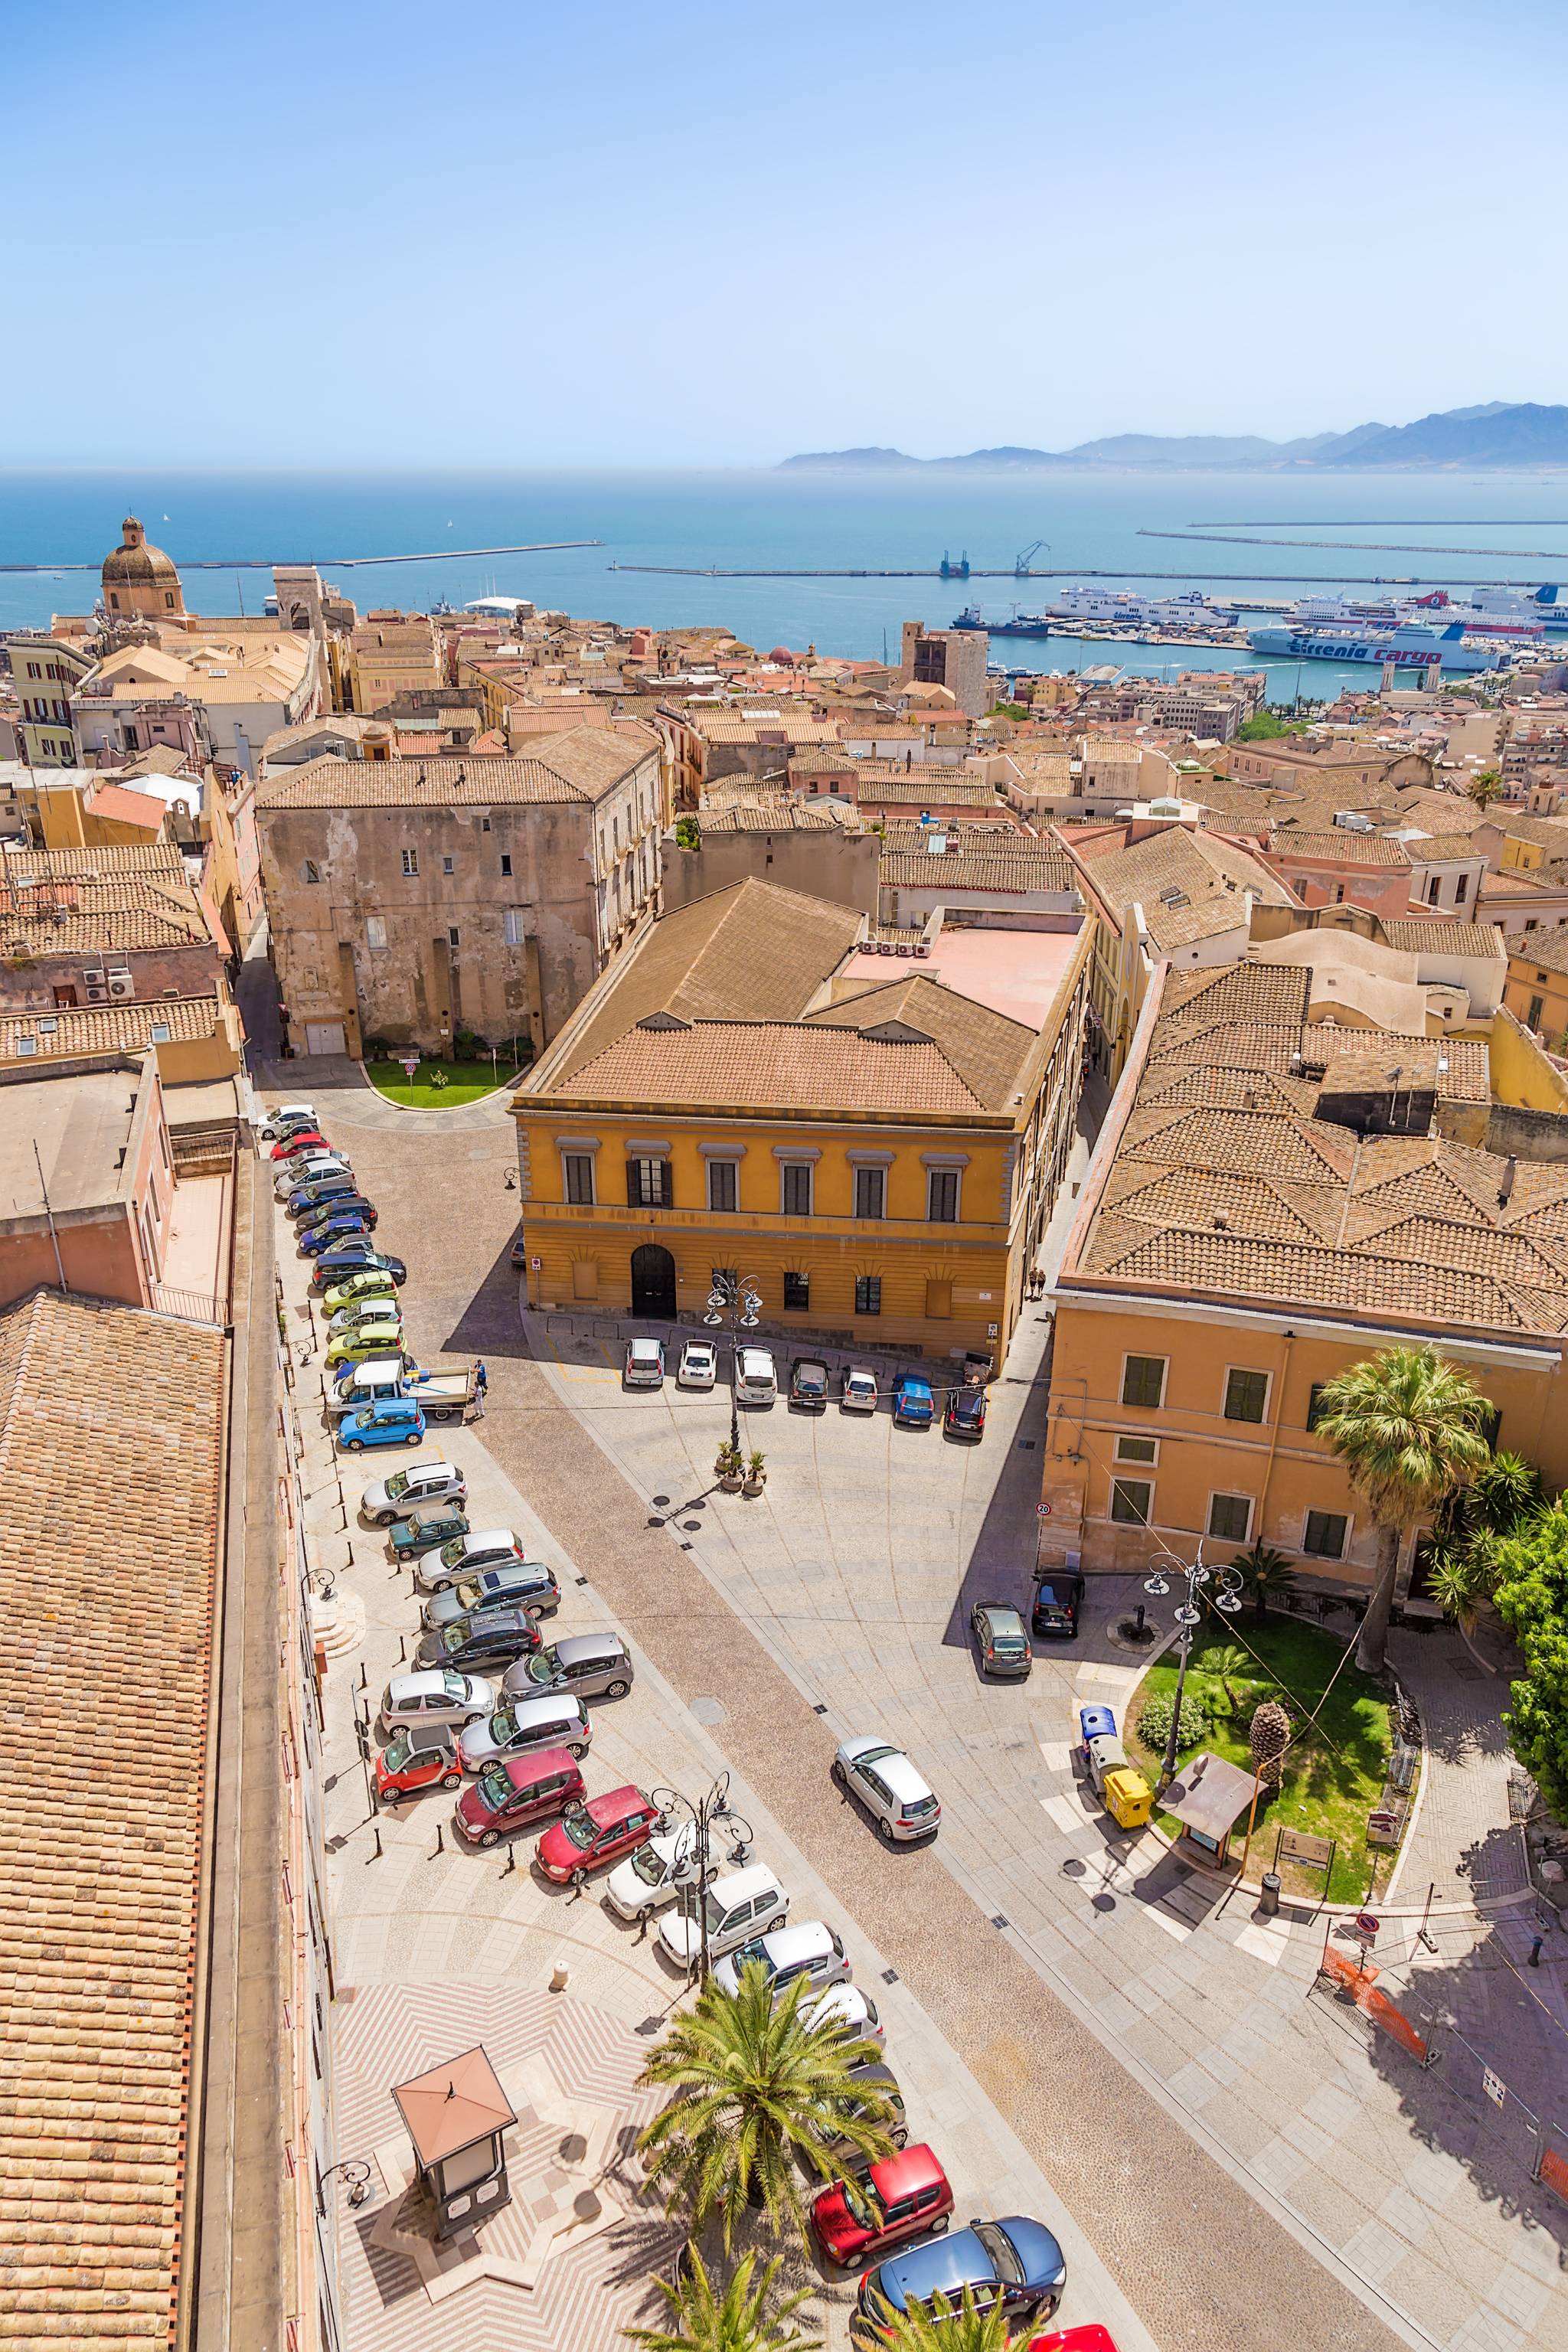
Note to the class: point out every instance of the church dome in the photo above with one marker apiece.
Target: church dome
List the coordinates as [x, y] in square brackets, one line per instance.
[135, 562]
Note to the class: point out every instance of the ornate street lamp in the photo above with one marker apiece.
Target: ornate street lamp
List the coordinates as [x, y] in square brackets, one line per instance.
[735, 1298]
[1187, 1614]
[709, 1813]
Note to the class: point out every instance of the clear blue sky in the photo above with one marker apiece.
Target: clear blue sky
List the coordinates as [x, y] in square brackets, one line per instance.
[684, 233]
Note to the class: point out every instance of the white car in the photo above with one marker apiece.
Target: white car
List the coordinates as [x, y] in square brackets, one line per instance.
[738, 1906]
[846, 2004]
[756, 1377]
[652, 1877]
[857, 1390]
[436, 1696]
[812, 1950]
[645, 1364]
[902, 1804]
[699, 1364]
[417, 1483]
[285, 1118]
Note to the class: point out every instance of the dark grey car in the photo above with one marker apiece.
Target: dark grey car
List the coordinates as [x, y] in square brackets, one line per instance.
[1001, 1640]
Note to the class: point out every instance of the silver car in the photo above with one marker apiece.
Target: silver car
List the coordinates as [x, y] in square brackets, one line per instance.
[899, 1801]
[311, 1169]
[588, 1665]
[437, 1571]
[387, 1500]
[553, 1720]
[812, 1950]
[438, 1695]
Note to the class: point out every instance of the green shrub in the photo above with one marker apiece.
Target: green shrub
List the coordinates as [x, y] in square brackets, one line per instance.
[1154, 1723]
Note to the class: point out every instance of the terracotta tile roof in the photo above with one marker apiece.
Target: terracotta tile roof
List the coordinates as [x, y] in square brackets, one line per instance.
[781, 727]
[120, 805]
[780, 816]
[986, 1048]
[1339, 846]
[579, 765]
[105, 1028]
[98, 907]
[753, 953]
[1429, 935]
[1228, 1182]
[111, 1422]
[1547, 946]
[1190, 885]
[1012, 865]
[926, 788]
[150, 860]
[774, 1065]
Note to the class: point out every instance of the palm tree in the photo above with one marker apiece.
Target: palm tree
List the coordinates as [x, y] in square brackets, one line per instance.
[1505, 1490]
[703, 2320]
[1266, 1574]
[1485, 788]
[1407, 1426]
[752, 2086]
[1458, 1582]
[943, 2328]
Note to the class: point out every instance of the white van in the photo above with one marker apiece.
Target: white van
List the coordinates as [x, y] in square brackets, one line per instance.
[740, 1903]
[756, 1381]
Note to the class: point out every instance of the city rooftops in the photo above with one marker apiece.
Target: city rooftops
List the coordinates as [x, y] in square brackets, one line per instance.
[581, 764]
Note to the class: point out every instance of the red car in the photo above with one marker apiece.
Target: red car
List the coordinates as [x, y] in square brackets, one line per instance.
[516, 1791]
[902, 2197]
[1090, 2338]
[595, 1835]
[290, 1146]
[424, 1757]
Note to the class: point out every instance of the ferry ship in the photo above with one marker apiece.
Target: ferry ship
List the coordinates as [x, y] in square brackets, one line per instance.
[1412, 645]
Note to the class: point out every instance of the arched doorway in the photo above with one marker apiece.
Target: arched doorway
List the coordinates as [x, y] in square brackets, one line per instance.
[653, 1281]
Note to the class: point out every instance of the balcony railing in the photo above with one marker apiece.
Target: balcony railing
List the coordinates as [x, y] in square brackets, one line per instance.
[190, 1306]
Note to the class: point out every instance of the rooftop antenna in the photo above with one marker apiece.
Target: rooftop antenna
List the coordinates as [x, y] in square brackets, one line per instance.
[48, 1212]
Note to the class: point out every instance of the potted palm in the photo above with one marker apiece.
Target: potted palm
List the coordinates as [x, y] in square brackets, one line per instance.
[729, 1467]
[756, 1473]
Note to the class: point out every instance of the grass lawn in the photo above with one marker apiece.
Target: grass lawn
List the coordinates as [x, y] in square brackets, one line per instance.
[465, 1082]
[1326, 1793]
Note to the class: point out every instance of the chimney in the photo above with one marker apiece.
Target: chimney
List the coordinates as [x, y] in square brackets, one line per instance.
[1505, 1190]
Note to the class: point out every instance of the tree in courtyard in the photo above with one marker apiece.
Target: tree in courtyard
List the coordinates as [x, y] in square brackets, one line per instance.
[1502, 1498]
[703, 2319]
[945, 2327]
[1408, 1425]
[1266, 1574]
[756, 2094]
[1530, 1596]
[1268, 1740]
[1485, 788]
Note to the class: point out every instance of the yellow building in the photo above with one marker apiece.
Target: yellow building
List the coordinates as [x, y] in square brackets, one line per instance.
[392, 654]
[1273, 1200]
[1536, 989]
[880, 1156]
[140, 581]
[195, 1038]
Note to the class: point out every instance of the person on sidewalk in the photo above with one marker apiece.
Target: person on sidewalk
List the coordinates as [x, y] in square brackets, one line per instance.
[482, 1382]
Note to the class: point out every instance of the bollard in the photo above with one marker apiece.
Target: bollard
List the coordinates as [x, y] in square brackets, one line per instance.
[1268, 1905]
[376, 1855]
[440, 1841]
[1535, 1951]
[401, 1649]
[510, 1862]
[363, 1684]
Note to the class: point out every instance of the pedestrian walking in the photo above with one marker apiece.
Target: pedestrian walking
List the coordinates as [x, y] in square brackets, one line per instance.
[482, 1382]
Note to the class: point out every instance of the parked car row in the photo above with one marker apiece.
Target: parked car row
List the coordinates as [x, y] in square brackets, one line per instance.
[757, 1385]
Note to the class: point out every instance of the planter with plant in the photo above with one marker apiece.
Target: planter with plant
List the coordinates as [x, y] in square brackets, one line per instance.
[730, 1468]
[756, 1473]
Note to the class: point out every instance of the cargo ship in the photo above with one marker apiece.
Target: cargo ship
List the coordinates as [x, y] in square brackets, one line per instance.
[1412, 645]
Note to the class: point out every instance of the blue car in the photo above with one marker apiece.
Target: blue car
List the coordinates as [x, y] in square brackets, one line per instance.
[393, 1424]
[913, 1404]
[356, 1256]
[336, 1229]
[1015, 2263]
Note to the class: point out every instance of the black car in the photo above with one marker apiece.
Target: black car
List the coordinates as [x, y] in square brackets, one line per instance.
[965, 1413]
[354, 1258]
[1054, 1609]
[473, 1644]
[808, 1383]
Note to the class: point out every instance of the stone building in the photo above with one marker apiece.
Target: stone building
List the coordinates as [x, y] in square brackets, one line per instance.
[140, 581]
[413, 898]
[954, 658]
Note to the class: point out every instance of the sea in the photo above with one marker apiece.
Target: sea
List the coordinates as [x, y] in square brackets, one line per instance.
[661, 538]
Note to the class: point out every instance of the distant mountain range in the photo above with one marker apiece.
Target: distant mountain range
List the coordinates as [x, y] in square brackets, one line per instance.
[1520, 434]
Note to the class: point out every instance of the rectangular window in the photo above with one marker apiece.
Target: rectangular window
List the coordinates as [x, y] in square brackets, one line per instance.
[451, 935]
[1131, 1502]
[868, 1294]
[1532, 1018]
[376, 933]
[794, 1184]
[1315, 1403]
[1245, 1395]
[1138, 1449]
[723, 1185]
[447, 867]
[1433, 887]
[1143, 1381]
[484, 824]
[941, 1196]
[647, 1183]
[511, 927]
[1325, 1535]
[1461, 889]
[797, 1293]
[506, 861]
[312, 871]
[870, 1191]
[1230, 1516]
[579, 1173]
[411, 861]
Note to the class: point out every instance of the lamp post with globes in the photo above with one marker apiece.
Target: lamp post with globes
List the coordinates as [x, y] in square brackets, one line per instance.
[1226, 1598]
[710, 1813]
[735, 1297]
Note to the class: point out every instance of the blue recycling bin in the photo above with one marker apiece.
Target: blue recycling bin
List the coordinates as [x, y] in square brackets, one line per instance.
[1096, 1723]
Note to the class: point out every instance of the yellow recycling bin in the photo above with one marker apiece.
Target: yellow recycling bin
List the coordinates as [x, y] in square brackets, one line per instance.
[1128, 1799]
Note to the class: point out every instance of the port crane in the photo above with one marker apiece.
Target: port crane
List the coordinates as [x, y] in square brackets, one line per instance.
[1026, 556]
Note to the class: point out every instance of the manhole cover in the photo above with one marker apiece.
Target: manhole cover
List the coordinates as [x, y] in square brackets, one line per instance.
[710, 1710]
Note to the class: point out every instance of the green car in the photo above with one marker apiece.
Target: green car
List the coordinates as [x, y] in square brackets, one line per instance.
[370, 1340]
[435, 1523]
[374, 1283]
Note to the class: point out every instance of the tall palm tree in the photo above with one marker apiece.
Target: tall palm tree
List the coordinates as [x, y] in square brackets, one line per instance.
[1485, 788]
[702, 2319]
[1407, 1426]
[752, 2086]
[946, 2327]
[1266, 1574]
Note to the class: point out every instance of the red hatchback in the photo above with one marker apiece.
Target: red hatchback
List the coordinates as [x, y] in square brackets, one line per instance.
[595, 1835]
[292, 1145]
[422, 1757]
[1090, 2338]
[514, 1792]
[902, 2197]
